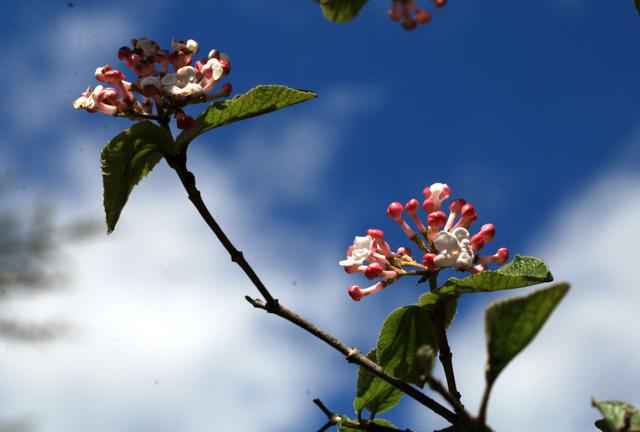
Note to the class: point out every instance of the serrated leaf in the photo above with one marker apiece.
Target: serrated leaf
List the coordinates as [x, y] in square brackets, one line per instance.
[126, 160]
[407, 344]
[373, 393]
[348, 425]
[259, 100]
[511, 324]
[618, 416]
[521, 272]
[341, 10]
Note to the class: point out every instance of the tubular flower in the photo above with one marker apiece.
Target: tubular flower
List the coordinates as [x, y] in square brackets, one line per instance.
[189, 82]
[410, 14]
[445, 240]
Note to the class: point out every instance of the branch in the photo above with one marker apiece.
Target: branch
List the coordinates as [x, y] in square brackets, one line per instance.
[354, 356]
[179, 164]
[445, 355]
[271, 305]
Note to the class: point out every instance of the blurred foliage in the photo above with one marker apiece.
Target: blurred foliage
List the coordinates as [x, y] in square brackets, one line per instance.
[30, 265]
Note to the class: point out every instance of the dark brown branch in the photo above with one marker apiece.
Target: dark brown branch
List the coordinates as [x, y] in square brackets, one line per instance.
[354, 356]
[179, 164]
[271, 305]
[445, 355]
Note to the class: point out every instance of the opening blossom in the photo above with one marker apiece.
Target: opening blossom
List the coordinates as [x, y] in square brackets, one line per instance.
[444, 239]
[410, 14]
[155, 84]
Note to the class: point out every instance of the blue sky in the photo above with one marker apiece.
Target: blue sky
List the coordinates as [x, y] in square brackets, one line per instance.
[527, 109]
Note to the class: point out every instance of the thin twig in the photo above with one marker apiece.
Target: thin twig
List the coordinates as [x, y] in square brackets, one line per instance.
[179, 164]
[445, 355]
[354, 356]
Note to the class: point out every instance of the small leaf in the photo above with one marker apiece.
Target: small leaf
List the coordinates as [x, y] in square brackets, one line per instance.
[407, 345]
[618, 416]
[341, 10]
[126, 160]
[373, 393]
[259, 100]
[511, 324]
[521, 272]
[348, 425]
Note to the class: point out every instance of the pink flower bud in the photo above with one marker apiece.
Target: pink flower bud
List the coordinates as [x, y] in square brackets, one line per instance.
[412, 205]
[373, 271]
[428, 205]
[477, 242]
[436, 220]
[409, 24]
[503, 255]
[440, 3]
[428, 260]
[354, 268]
[375, 233]
[394, 210]
[423, 17]
[355, 292]
[403, 251]
[488, 231]
[467, 211]
[456, 205]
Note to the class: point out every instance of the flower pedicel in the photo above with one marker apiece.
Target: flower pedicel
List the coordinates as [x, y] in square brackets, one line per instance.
[444, 240]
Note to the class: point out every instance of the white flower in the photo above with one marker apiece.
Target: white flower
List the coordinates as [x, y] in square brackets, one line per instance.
[189, 46]
[454, 249]
[151, 81]
[358, 252]
[181, 83]
[436, 189]
[149, 47]
[87, 99]
[215, 67]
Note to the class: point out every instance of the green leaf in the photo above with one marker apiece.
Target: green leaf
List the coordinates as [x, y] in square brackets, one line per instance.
[341, 10]
[407, 344]
[259, 100]
[431, 299]
[126, 159]
[618, 416]
[521, 272]
[511, 324]
[348, 425]
[373, 393]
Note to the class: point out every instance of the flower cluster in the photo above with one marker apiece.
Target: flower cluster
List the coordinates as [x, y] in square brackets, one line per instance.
[410, 13]
[189, 82]
[444, 240]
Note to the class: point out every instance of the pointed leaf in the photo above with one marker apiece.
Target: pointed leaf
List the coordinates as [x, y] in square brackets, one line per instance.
[407, 344]
[511, 324]
[521, 272]
[618, 416]
[348, 425]
[260, 100]
[373, 393]
[126, 159]
[341, 10]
